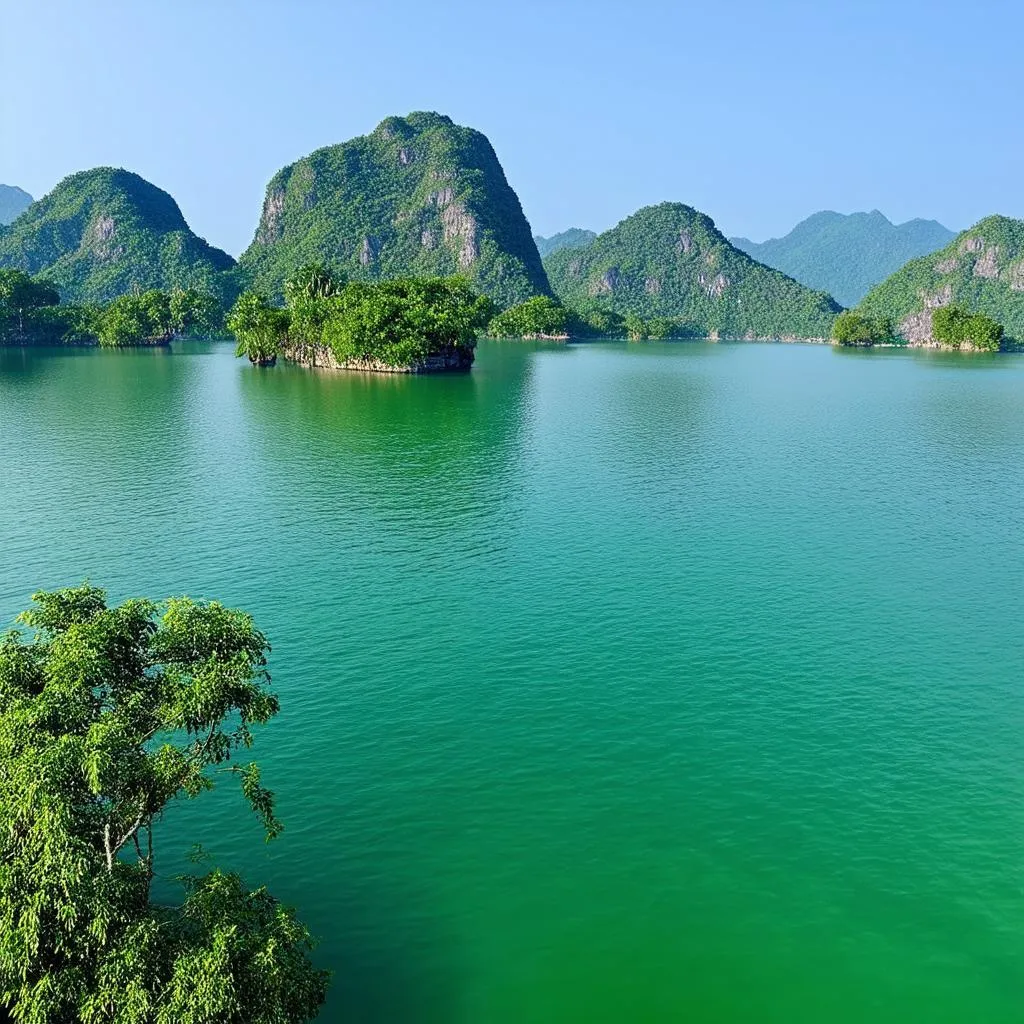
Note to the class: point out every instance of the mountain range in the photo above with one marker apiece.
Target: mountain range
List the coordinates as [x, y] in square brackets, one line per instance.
[574, 238]
[671, 261]
[846, 254]
[13, 202]
[421, 195]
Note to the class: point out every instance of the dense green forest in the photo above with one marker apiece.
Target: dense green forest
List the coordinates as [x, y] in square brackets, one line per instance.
[671, 262]
[105, 233]
[845, 255]
[13, 202]
[31, 313]
[574, 238]
[981, 270]
[108, 715]
[410, 324]
[419, 197]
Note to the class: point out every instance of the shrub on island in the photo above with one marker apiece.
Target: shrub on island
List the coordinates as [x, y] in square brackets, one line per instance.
[539, 317]
[853, 330]
[954, 326]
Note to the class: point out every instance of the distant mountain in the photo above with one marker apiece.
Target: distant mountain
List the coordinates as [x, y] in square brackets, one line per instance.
[421, 195]
[104, 232]
[671, 261]
[846, 254]
[574, 238]
[13, 202]
[982, 269]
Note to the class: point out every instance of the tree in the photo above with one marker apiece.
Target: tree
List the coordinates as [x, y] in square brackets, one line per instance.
[540, 316]
[21, 296]
[107, 715]
[194, 312]
[313, 281]
[953, 325]
[259, 328]
[406, 320]
[851, 329]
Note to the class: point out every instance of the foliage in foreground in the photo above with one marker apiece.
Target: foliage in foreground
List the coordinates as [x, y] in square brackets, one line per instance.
[107, 715]
[398, 323]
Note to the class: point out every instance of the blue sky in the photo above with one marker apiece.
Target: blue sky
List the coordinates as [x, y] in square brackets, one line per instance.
[756, 113]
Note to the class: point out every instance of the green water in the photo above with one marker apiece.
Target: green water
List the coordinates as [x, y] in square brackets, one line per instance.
[672, 682]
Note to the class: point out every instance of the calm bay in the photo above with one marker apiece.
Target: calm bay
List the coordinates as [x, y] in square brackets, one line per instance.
[619, 682]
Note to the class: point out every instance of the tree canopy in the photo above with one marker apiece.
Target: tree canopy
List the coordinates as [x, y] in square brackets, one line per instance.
[953, 325]
[852, 329]
[107, 715]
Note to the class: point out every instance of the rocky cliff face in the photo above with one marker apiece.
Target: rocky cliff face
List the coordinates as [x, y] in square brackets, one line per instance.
[419, 196]
[671, 261]
[982, 269]
[104, 232]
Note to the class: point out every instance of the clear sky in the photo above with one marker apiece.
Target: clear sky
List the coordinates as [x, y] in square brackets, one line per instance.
[756, 113]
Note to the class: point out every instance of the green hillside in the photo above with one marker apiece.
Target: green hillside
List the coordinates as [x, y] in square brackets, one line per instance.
[573, 238]
[671, 261]
[107, 232]
[846, 254]
[420, 196]
[981, 270]
[13, 202]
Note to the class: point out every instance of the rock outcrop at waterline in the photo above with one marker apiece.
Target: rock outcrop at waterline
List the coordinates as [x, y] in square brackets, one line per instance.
[320, 357]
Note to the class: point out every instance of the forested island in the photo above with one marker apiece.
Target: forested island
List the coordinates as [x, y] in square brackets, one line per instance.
[406, 325]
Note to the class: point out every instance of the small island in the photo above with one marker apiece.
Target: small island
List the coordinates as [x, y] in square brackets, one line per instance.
[405, 325]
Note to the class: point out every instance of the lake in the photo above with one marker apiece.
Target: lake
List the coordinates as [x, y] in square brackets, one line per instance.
[663, 682]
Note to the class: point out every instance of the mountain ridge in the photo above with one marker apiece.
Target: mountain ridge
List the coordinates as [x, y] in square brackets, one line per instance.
[14, 201]
[847, 254]
[104, 232]
[670, 260]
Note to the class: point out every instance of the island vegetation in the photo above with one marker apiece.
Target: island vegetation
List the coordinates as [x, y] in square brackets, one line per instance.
[411, 325]
[856, 331]
[108, 716]
[958, 328]
[31, 313]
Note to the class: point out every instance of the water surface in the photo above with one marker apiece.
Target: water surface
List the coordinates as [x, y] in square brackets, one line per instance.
[620, 682]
